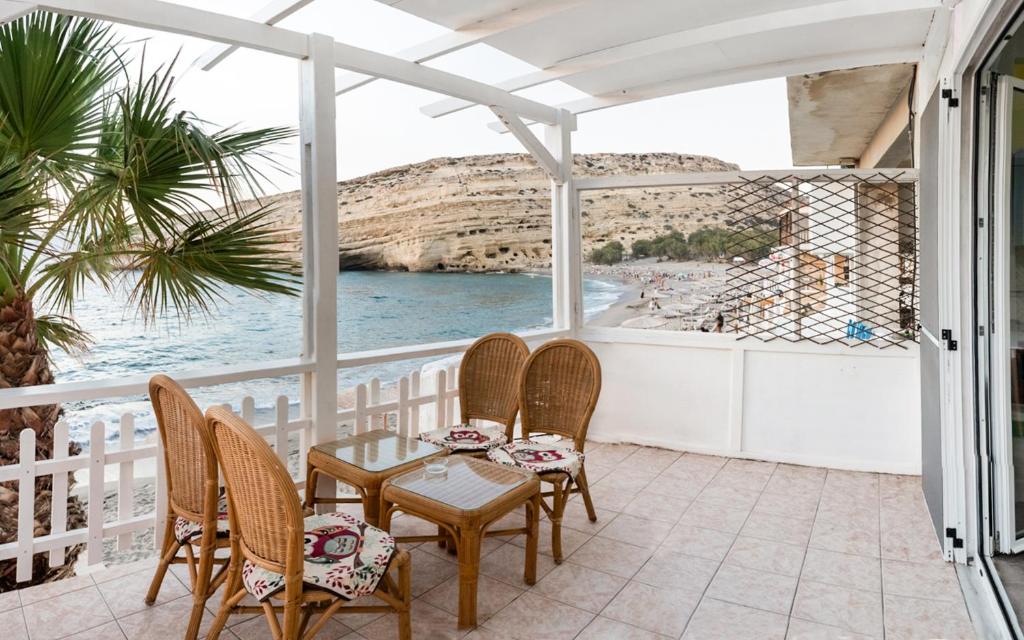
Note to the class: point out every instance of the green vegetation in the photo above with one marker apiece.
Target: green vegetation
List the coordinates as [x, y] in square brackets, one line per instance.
[610, 253]
[708, 243]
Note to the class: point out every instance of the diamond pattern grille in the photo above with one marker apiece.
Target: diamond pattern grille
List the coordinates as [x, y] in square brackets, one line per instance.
[826, 259]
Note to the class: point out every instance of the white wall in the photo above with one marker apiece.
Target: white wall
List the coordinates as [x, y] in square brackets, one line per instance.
[835, 406]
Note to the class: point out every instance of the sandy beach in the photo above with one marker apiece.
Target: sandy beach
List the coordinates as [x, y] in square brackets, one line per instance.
[672, 296]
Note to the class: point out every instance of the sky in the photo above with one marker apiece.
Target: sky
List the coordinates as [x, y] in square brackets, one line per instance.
[380, 125]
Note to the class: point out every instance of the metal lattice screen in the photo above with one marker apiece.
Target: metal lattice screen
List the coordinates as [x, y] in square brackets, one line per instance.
[824, 259]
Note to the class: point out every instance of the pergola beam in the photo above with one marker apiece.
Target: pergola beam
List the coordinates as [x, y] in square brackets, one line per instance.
[270, 14]
[731, 29]
[462, 38]
[816, 64]
[187, 21]
[410, 73]
[533, 144]
[199, 23]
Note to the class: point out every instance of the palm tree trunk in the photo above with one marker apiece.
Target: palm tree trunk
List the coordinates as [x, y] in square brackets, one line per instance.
[24, 363]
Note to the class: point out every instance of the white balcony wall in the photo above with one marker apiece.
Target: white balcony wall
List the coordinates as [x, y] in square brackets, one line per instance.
[832, 405]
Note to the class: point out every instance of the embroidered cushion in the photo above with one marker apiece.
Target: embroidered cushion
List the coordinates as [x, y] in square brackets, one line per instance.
[186, 530]
[466, 437]
[343, 555]
[539, 457]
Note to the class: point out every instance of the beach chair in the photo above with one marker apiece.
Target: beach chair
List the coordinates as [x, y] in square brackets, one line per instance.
[558, 390]
[196, 509]
[296, 566]
[488, 390]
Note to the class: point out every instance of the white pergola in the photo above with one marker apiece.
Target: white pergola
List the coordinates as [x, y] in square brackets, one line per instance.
[616, 52]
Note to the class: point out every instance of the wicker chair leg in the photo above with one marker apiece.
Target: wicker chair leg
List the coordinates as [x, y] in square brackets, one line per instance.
[555, 517]
[170, 549]
[292, 620]
[201, 587]
[584, 485]
[443, 542]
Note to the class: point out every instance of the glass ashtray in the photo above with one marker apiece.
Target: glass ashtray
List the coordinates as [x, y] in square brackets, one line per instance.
[436, 466]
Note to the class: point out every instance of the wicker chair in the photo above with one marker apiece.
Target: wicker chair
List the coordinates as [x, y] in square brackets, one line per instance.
[488, 390]
[197, 512]
[311, 565]
[558, 390]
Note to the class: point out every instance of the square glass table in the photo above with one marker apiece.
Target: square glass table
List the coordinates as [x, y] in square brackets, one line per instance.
[363, 461]
[464, 501]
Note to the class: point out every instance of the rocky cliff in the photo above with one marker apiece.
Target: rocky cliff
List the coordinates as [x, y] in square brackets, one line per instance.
[492, 212]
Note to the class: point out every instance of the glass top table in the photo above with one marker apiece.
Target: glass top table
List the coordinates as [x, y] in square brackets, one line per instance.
[364, 461]
[464, 501]
[377, 450]
[469, 483]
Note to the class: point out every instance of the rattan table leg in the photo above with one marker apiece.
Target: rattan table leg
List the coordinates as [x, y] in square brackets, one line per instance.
[469, 574]
[371, 505]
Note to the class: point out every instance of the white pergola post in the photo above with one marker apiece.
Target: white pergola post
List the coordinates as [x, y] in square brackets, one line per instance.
[320, 241]
[566, 258]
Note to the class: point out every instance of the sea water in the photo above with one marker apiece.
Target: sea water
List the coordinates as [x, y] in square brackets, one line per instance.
[375, 310]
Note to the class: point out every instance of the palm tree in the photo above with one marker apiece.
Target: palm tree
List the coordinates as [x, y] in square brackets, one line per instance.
[103, 181]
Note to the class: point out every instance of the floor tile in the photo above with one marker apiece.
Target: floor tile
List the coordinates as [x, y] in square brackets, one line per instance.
[109, 631]
[836, 536]
[575, 517]
[673, 570]
[930, 580]
[787, 504]
[611, 556]
[256, 628]
[850, 609]
[127, 594]
[492, 596]
[49, 590]
[843, 570]
[428, 571]
[911, 618]
[765, 555]
[751, 588]
[572, 539]
[806, 630]
[714, 516]
[162, 621]
[579, 587]
[695, 541]
[728, 497]
[13, 623]
[608, 629]
[740, 479]
[531, 616]
[507, 564]
[716, 620]
[66, 614]
[9, 600]
[636, 531]
[777, 528]
[656, 507]
[113, 572]
[427, 622]
[663, 611]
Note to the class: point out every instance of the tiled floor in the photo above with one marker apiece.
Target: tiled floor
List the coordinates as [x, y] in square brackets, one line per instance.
[685, 546]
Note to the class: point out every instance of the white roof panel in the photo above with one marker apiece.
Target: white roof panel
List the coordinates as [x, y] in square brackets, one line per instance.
[618, 51]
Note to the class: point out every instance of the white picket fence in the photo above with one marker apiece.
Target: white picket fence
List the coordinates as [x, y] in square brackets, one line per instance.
[407, 412]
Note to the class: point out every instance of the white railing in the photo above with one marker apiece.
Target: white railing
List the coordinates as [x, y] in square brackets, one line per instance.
[416, 405]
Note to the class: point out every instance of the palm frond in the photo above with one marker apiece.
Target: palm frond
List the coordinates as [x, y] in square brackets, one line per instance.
[187, 273]
[21, 201]
[53, 71]
[62, 332]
